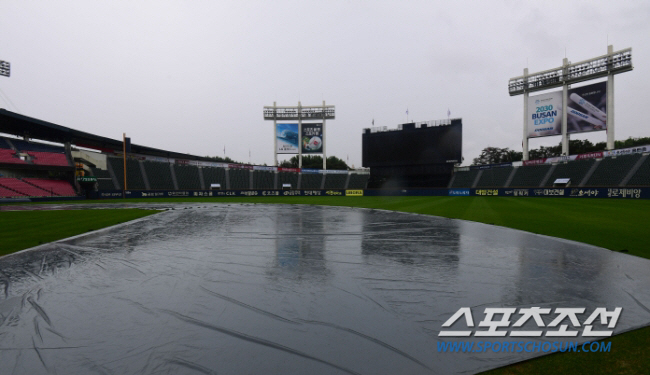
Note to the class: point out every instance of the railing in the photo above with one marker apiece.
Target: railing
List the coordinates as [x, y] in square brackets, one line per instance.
[293, 114]
[616, 62]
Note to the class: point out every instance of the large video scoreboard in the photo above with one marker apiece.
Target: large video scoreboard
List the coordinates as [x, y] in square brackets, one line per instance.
[413, 145]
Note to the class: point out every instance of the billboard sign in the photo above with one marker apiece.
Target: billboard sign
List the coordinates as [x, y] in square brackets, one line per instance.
[545, 114]
[587, 108]
[312, 138]
[288, 139]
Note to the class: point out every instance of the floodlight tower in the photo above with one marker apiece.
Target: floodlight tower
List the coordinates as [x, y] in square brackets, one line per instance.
[299, 113]
[614, 62]
[5, 68]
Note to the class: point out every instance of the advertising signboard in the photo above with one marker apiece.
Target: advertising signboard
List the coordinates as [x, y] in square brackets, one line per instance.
[545, 114]
[288, 138]
[312, 138]
[587, 108]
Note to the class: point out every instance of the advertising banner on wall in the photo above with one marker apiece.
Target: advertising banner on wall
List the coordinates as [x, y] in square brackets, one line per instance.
[545, 114]
[288, 138]
[312, 138]
[587, 108]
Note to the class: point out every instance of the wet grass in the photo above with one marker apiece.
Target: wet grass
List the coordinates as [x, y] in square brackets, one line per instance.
[615, 224]
[618, 225]
[628, 355]
[25, 229]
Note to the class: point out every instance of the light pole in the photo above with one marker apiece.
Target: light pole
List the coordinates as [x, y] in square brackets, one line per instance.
[5, 68]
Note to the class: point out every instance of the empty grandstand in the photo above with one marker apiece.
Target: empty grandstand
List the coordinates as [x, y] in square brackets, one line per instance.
[494, 177]
[618, 168]
[55, 187]
[611, 171]
[464, 179]
[33, 169]
[575, 171]
[187, 177]
[642, 175]
[290, 178]
[104, 179]
[263, 179]
[358, 181]
[34, 187]
[11, 157]
[159, 175]
[239, 178]
[311, 181]
[335, 181]
[530, 176]
[213, 175]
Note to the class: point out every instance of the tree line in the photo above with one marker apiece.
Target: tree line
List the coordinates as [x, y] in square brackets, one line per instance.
[308, 161]
[496, 155]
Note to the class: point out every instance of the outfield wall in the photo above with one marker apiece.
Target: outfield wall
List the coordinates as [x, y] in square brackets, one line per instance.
[626, 193]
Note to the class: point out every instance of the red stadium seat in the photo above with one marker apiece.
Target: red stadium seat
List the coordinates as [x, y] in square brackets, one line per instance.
[23, 187]
[57, 187]
[49, 158]
[9, 156]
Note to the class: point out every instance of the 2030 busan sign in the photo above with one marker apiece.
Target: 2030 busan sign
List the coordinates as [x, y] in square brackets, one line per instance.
[586, 111]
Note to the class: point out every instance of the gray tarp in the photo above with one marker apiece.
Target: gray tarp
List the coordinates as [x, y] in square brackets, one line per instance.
[278, 289]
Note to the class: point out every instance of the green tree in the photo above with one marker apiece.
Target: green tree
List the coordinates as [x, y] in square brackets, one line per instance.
[496, 155]
[632, 142]
[222, 160]
[315, 162]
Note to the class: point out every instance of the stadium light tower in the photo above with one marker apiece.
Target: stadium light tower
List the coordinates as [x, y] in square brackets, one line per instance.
[5, 68]
[544, 113]
[310, 131]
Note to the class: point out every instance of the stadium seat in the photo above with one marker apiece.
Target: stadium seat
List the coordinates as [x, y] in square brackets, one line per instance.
[642, 175]
[611, 171]
[239, 178]
[187, 177]
[9, 156]
[212, 175]
[464, 179]
[56, 187]
[573, 170]
[288, 178]
[358, 180]
[23, 187]
[7, 193]
[159, 175]
[530, 176]
[311, 181]
[335, 181]
[263, 179]
[49, 158]
[118, 169]
[134, 177]
[494, 177]
[103, 178]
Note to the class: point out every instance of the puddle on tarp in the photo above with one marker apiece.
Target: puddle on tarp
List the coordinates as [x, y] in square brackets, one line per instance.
[281, 289]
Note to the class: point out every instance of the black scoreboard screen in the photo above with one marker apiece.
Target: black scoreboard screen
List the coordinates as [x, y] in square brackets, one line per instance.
[413, 146]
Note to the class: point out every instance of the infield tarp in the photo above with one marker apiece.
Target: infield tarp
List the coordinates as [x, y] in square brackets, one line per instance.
[281, 289]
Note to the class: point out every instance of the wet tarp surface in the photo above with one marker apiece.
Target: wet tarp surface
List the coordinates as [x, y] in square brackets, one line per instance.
[282, 289]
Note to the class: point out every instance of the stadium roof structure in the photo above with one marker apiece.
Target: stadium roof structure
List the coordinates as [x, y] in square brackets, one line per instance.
[24, 126]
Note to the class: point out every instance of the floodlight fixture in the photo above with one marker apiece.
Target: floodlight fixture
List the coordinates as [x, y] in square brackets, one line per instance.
[5, 68]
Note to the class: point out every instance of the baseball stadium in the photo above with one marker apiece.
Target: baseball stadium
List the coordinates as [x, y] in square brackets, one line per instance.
[124, 258]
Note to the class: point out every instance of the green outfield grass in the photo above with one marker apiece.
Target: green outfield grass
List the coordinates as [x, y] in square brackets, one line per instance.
[615, 224]
[24, 229]
[618, 225]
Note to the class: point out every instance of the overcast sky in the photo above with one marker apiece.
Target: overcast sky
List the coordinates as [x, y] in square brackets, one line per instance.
[193, 76]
